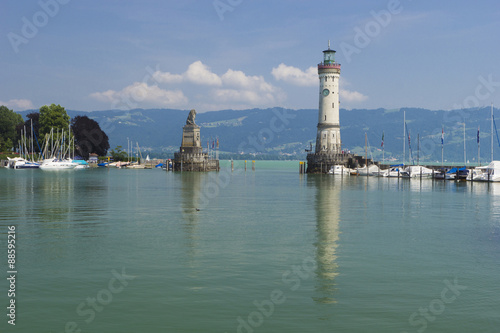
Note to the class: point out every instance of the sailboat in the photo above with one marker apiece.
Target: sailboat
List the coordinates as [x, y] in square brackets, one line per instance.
[490, 173]
[59, 159]
[25, 159]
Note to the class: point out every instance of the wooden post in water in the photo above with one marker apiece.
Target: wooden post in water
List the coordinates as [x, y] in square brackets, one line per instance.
[253, 165]
[245, 165]
[232, 165]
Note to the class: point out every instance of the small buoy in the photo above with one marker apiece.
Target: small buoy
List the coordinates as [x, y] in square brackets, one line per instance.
[197, 209]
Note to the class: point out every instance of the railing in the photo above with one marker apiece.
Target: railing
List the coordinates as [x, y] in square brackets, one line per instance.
[332, 65]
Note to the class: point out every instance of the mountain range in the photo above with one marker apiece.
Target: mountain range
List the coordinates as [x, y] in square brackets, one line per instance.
[286, 133]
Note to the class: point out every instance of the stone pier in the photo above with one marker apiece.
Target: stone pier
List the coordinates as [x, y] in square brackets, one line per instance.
[322, 162]
[190, 156]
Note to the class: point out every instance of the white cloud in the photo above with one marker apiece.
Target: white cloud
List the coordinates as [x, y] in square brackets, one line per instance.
[18, 104]
[197, 73]
[249, 97]
[352, 96]
[141, 94]
[233, 89]
[253, 90]
[295, 75]
[166, 77]
[241, 80]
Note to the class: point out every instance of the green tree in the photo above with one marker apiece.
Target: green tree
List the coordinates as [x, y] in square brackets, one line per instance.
[53, 116]
[89, 138]
[118, 154]
[9, 120]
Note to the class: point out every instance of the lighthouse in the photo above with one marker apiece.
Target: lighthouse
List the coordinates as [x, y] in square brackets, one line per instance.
[328, 135]
[328, 153]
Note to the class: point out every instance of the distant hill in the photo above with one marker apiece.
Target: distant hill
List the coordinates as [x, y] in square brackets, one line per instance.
[286, 132]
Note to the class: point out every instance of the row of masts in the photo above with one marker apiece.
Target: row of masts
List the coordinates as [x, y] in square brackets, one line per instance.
[60, 147]
[405, 130]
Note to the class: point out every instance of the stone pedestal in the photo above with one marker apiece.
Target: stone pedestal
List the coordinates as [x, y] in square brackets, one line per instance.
[191, 156]
[191, 137]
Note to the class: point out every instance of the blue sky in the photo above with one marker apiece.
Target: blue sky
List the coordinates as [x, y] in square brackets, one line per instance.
[219, 54]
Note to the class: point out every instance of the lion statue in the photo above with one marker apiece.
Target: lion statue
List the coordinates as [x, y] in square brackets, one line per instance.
[190, 118]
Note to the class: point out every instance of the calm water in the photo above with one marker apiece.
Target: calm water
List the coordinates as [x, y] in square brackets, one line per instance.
[112, 250]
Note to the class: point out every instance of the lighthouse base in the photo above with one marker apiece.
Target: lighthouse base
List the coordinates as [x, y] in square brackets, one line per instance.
[322, 162]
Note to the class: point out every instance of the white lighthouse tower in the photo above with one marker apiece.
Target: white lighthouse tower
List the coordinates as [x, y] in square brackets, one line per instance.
[328, 136]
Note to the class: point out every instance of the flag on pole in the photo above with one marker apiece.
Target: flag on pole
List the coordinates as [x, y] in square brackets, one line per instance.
[382, 139]
[442, 135]
[478, 134]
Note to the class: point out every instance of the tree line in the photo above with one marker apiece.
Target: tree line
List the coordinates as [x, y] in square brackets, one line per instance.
[88, 136]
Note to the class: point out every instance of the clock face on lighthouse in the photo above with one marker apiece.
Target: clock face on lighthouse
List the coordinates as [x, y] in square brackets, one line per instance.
[326, 92]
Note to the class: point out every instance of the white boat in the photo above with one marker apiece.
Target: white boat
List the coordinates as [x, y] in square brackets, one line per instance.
[57, 164]
[393, 171]
[21, 163]
[451, 174]
[372, 170]
[415, 171]
[339, 170]
[491, 173]
[81, 164]
[122, 164]
[477, 173]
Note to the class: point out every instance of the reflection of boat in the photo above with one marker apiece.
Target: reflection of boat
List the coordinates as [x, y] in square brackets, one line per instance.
[57, 164]
[339, 170]
[414, 171]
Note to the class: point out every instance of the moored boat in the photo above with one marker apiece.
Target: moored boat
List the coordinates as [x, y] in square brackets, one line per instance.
[57, 164]
[339, 170]
[21, 163]
[393, 171]
[415, 171]
[491, 173]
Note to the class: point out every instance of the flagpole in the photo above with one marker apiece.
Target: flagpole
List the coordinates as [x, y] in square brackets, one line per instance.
[383, 148]
[442, 146]
[478, 148]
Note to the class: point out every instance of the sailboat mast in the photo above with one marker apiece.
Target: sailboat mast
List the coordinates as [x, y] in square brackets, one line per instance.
[404, 136]
[465, 158]
[492, 132]
[32, 145]
[366, 152]
[418, 148]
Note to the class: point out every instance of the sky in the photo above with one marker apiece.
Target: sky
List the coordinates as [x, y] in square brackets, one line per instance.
[239, 54]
